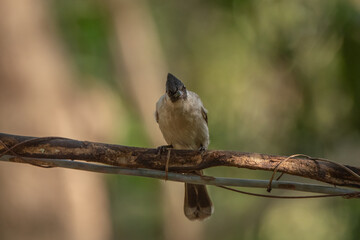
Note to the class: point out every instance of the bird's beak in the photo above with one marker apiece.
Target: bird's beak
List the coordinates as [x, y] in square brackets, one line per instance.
[178, 94]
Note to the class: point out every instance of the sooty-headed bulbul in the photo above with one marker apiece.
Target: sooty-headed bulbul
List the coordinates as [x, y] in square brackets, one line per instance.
[183, 121]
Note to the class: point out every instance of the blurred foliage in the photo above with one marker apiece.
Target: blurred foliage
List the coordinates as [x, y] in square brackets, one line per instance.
[277, 76]
[85, 30]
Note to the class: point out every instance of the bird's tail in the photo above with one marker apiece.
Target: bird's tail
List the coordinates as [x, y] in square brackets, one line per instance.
[197, 205]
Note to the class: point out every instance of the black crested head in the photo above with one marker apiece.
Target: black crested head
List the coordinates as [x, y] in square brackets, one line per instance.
[175, 89]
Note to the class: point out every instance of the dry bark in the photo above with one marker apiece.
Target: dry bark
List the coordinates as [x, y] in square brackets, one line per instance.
[181, 160]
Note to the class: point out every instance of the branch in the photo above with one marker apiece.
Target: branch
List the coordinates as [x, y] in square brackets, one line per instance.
[181, 160]
[218, 181]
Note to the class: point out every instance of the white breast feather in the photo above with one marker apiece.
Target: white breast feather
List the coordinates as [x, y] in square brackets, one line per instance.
[182, 123]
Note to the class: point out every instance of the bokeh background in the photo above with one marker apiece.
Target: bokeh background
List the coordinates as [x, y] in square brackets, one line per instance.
[277, 77]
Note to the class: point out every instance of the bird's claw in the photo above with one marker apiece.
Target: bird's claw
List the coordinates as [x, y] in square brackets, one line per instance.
[202, 150]
[163, 148]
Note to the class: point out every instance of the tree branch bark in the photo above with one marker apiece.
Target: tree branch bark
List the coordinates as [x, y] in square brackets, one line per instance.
[180, 160]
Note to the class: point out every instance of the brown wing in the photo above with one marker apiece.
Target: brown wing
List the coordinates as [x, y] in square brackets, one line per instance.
[204, 114]
[157, 116]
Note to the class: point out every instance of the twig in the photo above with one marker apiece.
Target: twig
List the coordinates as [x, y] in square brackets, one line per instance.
[345, 195]
[167, 163]
[269, 187]
[195, 179]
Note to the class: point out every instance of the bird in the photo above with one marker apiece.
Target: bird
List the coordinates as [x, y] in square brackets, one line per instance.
[183, 121]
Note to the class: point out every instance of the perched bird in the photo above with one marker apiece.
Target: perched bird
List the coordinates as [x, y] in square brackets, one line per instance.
[183, 122]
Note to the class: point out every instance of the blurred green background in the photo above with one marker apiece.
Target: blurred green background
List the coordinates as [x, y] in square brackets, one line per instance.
[277, 77]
